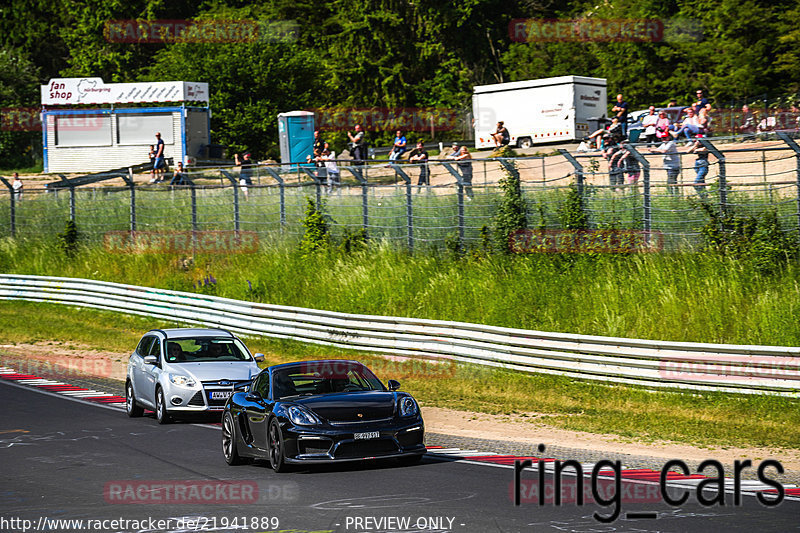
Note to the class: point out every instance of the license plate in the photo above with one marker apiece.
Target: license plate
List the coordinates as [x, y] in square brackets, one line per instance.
[220, 395]
[367, 435]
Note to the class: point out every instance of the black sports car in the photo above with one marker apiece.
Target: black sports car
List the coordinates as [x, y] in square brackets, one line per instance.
[321, 412]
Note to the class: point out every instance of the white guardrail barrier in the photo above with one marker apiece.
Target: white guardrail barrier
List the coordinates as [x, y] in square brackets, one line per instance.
[682, 365]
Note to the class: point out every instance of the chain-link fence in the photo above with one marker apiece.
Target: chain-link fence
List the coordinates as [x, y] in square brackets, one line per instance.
[447, 209]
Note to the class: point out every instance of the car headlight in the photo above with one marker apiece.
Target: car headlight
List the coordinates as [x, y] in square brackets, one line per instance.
[301, 417]
[180, 379]
[407, 406]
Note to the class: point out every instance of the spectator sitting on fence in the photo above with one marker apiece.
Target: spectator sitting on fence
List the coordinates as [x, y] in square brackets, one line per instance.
[613, 133]
[419, 157]
[16, 186]
[328, 158]
[748, 124]
[179, 176]
[399, 146]
[662, 126]
[649, 123]
[690, 126]
[500, 136]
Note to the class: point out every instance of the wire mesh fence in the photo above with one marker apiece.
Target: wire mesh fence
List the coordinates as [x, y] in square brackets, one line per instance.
[391, 202]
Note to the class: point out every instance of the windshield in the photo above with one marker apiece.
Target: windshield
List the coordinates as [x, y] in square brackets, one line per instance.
[206, 349]
[326, 377]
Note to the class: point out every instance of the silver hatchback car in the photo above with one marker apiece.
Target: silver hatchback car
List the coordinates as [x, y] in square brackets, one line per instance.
[178, 372]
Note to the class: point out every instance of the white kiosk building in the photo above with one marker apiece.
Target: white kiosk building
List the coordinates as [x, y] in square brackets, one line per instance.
[78, 137]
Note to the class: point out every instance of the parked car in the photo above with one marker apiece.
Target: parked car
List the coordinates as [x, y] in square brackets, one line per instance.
[321, 412]
[178, 372]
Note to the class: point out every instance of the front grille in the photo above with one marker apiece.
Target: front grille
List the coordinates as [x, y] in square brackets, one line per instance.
[367, 448]
[236, 384]
[197, 400]
[359, 421]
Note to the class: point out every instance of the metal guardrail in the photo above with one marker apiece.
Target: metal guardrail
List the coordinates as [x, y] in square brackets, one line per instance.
[708, 367]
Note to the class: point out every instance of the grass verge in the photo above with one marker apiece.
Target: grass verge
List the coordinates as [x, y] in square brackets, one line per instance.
[707, 419]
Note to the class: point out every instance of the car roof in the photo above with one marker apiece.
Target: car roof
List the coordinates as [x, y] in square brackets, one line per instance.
[175, 333]
[320, 362]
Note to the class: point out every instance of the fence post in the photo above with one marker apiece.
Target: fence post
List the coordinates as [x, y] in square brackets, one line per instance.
[723, 182]
[72, 203]
[132, 186]
[193, 194]
[577, 166]
[794, 146]
[356, 172]
[460, 193]
[13, 207]
[317, 184]
[235, 200]
[281, 187]
[409, 208]
[645, 164]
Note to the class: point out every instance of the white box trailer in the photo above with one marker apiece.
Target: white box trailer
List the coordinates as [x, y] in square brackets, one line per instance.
[547, 110]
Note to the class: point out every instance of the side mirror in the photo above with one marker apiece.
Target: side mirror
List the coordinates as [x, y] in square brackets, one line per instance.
[394, 385]
[150, 359]
[259, 357]
[253, 396]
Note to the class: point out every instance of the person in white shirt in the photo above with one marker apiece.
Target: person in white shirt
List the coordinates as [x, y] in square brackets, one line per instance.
[329, 158]
[17, 186]
[649, 124]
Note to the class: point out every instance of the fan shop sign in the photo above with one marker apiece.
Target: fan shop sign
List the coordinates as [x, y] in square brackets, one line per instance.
[75, 91]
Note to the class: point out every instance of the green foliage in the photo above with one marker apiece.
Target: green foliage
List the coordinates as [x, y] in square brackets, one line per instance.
[68, 239]
[759, 242]
[353, 240]
[316, 236]
[572, 212]
[512, 211]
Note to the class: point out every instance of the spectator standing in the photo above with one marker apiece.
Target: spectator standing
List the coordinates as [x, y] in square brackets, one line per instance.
[631, 166]
[419, 156]
[649, 123]
[328, 158]
[16, 187]
[614, 154]
[179, 175]
[159, 163]
[152, 156]
[246, 172]
[464, 162]
[454, 148]
[672, 103]
[399, 146]
[672, 163]
[701, 103]
[621, 110]
[319, 144]
[700, 167]
[357, 144]
[500, 136]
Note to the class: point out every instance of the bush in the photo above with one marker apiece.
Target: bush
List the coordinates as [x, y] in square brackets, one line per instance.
[317, 232]
[572, 212]
[512, 212]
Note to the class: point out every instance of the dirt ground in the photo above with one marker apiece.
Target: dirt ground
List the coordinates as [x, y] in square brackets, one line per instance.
[527, 428]
[751, 167]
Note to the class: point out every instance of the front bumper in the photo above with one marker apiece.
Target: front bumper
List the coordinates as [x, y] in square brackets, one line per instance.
[337, 443]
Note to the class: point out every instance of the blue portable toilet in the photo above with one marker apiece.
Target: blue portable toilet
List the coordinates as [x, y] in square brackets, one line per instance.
[296, 136]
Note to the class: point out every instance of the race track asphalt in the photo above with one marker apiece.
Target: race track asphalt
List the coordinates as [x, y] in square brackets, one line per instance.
[64, 459]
